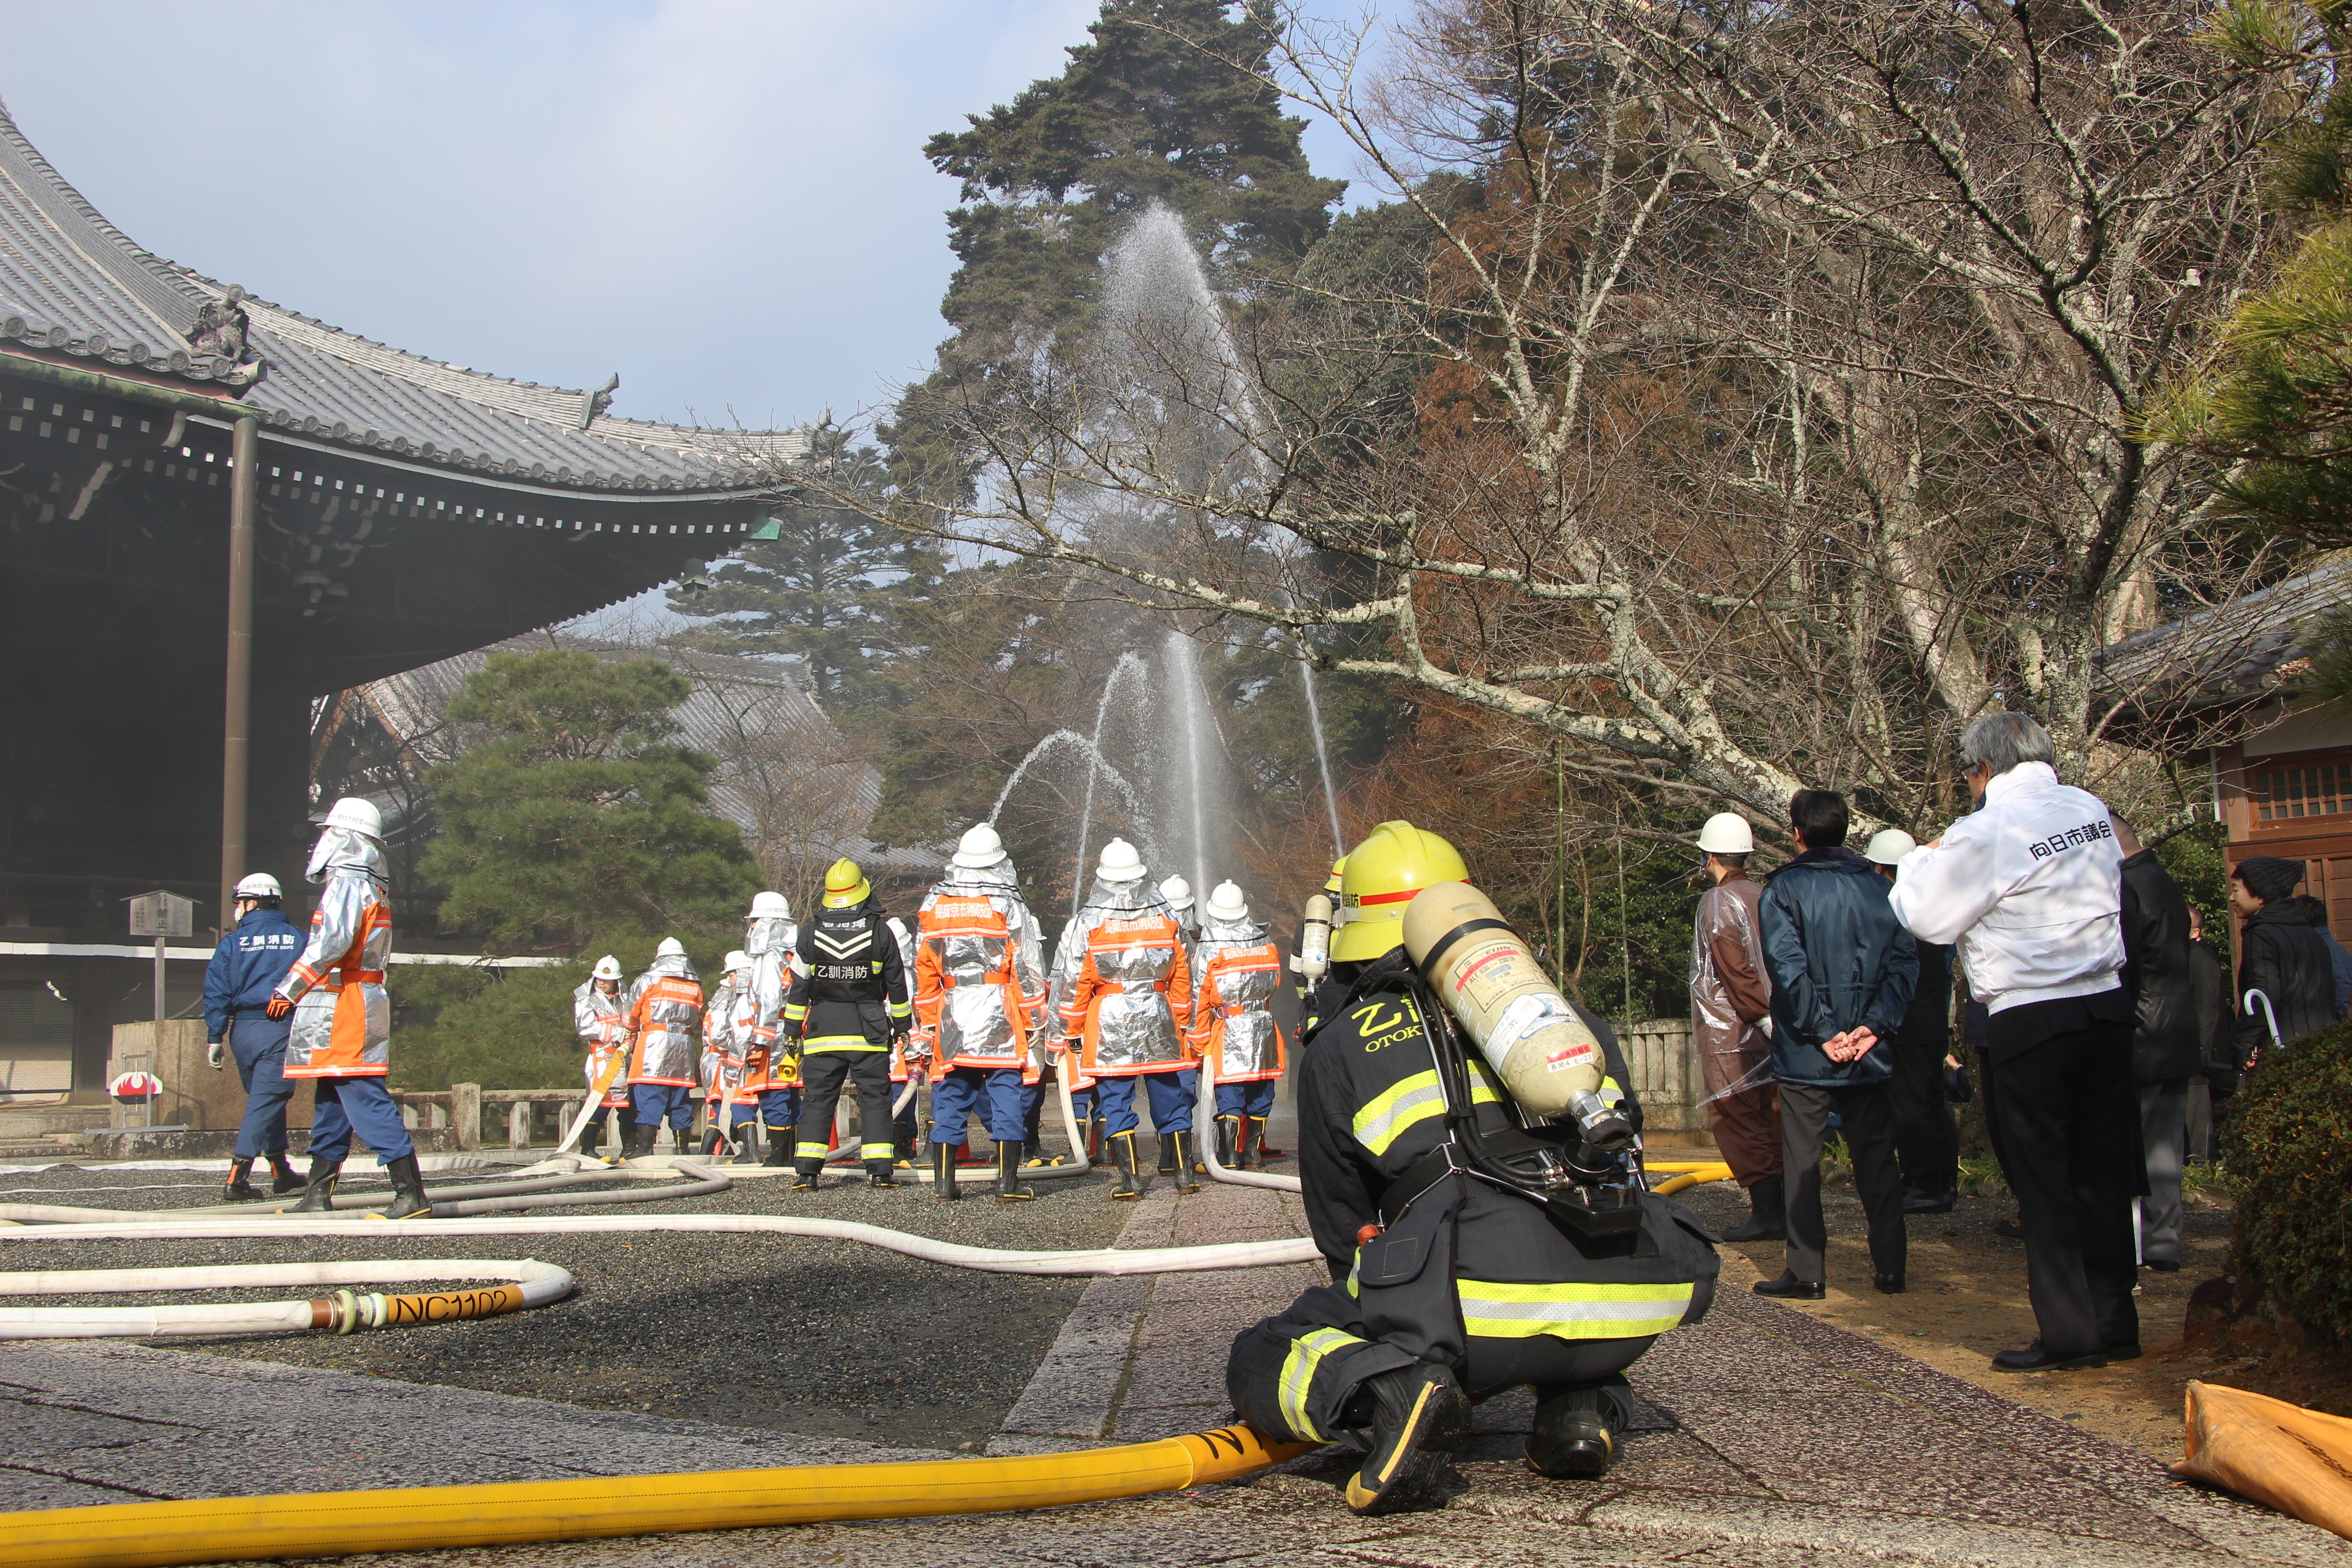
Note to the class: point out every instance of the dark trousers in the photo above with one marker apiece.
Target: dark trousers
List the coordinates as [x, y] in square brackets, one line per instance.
[823, 1073]
[1927, 1140]
[1294, 1375]
[1866, 1114]
[258, 1041]
[1746, 1121]
[2070, 1143]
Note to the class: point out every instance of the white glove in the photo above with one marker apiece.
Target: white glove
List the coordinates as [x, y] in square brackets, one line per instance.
[215, 1054]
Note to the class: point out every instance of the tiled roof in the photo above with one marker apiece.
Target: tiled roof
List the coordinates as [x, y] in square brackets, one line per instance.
[71, 284]
[2234, 653]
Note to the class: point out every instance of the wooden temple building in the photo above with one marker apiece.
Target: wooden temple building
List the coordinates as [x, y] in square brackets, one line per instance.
[215, 514]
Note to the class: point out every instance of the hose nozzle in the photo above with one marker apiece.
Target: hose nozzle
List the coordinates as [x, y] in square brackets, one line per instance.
[1603, 1126]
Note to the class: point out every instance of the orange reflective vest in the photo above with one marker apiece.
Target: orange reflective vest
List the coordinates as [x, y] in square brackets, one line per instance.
[1233, 1027]
[968, 1004]
[1131, 999]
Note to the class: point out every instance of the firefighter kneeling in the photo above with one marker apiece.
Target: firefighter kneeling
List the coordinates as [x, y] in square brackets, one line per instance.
[1475, 1245]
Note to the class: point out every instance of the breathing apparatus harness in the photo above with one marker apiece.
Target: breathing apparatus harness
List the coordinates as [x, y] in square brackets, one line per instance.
[1583, 1170]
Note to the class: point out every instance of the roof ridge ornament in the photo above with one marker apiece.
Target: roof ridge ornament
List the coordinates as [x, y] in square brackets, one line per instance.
[593, 402]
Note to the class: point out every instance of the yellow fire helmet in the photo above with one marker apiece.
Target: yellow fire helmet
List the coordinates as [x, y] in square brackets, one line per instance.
[1338, 868]
[1378, 878]
[845, 886]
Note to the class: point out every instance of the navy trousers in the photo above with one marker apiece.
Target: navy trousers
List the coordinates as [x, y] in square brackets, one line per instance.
[995, 1092]
[1170, 1093]
[1252, 1097]
[258, 1041]
[360, 1104]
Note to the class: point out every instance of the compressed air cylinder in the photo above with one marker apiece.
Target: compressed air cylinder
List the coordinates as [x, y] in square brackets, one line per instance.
[1500, 996]
[1313, 958]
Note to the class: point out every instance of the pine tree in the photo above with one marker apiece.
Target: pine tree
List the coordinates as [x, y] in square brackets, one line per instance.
[1163, 104]
[832, 589]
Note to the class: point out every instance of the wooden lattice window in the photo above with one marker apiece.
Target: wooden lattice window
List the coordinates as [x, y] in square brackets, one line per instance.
[2301, 789]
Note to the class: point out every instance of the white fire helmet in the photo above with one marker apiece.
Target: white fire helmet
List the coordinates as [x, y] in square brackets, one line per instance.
[770, 907]
[607, 968]
[1119, 863]
[737, 959]
[356, 814]
[1226, 905]
[980, 848]
[670, 948]
[1177, 892]
[1727, 833]
[260, 885]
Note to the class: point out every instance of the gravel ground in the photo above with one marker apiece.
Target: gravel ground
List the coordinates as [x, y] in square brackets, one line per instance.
[821, 1338]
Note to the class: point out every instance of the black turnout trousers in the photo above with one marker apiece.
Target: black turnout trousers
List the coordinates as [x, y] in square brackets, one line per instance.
[2068, 1120]
[822, 1073]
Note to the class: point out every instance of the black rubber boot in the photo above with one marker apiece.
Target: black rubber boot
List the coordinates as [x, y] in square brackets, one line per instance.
[779, 1146]
[282, 1179]
[319, 1192]
[1009, 1187]
[1574, 1437]
[805, 1174]
[1229, 1138]
[1167, 1153]
[943, 1172]
[1767, 1218]
[1259, 1152]
[408, 1199]
[1189, 1170]
[1122, 1151]
[881, 1174]
[240, 1188]
[1418, 1416]
[1089, 1139]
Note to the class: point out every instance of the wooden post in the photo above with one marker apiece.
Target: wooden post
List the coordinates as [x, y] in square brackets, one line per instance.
[236, 719]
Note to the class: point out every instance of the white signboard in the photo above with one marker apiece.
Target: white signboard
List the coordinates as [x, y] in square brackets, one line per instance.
[163, 914]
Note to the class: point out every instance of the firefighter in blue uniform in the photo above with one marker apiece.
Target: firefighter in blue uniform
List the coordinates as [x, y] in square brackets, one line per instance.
[245, 969]
[1450, 1282]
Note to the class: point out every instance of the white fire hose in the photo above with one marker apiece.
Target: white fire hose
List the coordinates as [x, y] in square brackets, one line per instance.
[1205, 1142]
[535, 1284]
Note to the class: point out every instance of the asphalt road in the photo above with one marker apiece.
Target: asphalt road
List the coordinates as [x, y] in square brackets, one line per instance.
[820, 1338]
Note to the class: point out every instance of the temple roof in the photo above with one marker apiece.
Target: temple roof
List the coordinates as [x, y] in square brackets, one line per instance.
[73, 288]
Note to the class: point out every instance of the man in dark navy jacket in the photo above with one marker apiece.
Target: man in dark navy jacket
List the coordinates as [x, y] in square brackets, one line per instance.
[1842, 971]
[245, 968]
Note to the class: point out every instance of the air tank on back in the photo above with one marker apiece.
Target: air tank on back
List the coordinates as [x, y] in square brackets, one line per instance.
[1496, 991]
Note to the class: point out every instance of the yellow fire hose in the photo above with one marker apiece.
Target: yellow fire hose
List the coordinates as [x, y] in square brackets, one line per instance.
[1692, 1173]
[318, 1524]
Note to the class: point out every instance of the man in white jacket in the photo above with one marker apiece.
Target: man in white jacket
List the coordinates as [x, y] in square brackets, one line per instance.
[2030, 888]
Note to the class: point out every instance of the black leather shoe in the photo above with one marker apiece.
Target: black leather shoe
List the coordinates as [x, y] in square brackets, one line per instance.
[2012, 1229]
[1789, 1288]
[2164, 1265]
[2033, 1358]
[2123, 1353]
[1888, 1284]
[1918, 1202]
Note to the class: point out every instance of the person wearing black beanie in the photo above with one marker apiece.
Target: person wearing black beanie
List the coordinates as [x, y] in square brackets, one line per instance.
[2281, 955]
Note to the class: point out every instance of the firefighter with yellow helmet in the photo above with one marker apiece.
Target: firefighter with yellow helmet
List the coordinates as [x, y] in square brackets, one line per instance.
[1475, 1245]
[848, 1005]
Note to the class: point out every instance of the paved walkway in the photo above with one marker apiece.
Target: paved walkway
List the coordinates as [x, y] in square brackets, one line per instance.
[1767, 1439]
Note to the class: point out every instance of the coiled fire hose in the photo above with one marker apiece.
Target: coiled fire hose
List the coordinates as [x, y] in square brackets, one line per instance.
[310, 1524]
[533, 1284]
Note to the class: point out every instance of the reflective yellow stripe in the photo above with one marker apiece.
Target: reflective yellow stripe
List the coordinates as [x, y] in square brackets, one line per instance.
[795, 1011]
[901, 1010]
[876, 1151]
[1571, 1311]
[824, 1043]
[1388, 1113]
[806, 1150]
[1485, 1089]
[1306, 1353]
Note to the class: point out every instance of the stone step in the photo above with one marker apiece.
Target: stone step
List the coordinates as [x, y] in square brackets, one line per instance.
[23, 1123]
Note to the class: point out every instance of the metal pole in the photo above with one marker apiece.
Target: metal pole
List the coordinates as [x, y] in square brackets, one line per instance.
[237, 726]
[1624, 926]
[1558, 863]
[160, 1015]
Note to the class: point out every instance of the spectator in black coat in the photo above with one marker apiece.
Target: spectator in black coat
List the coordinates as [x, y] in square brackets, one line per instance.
[2217, 1076]
[2164, 1037]
[1926, 1143]
[1842, 968]
[2280, 956]
[2315, 912]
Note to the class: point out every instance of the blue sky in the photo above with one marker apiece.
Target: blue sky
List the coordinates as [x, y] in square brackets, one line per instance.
[725, 202]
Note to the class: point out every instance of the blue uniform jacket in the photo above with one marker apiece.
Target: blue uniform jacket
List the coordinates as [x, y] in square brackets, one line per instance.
[246, 967]
[1839, 959]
